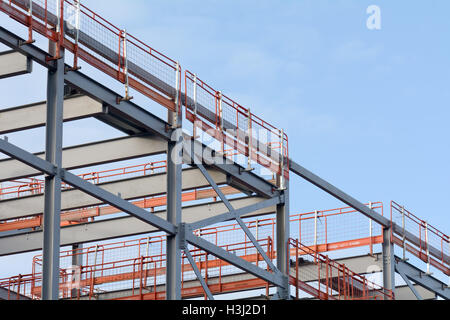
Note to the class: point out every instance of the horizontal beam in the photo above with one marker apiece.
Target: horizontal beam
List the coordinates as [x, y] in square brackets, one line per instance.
[234, 260]
[117, 202]
[421, 278]
[129, 189]
[34, 115]
[29, 241]
[91, 154]
[337, 193]
[17, 44]
[125, 109]
[13, 63]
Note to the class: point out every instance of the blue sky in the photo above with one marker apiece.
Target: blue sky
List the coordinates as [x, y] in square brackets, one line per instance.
[366, 110]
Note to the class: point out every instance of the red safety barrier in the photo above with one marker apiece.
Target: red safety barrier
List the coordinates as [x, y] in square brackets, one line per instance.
[432, 246]
[95, 40]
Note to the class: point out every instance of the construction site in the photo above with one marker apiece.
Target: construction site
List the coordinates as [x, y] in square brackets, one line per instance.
[190, 204]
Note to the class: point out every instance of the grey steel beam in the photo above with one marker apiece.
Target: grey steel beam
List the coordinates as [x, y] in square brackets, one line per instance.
[409, 284]
[125, 109]
[198, 274]
[234, 260]
[17, 44]
[237, 212]
[358, 206]
[13, 64]
[238, 219]
[34, 116]
[388, 261]
[52, 193]
[117, 202]
[337, 193]
[421, 278]
[92, 190]
[11, 295]
[29, 240]
[132, 188]
[91, 154]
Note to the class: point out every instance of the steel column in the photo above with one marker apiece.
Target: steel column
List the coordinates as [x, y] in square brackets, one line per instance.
[283, 235]
[174, 190]
[388, 261]
[52, 202]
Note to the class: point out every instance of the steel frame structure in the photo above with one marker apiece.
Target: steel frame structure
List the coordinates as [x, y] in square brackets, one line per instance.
[120, 112]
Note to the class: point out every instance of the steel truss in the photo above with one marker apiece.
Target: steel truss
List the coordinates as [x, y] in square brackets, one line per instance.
[121, 113]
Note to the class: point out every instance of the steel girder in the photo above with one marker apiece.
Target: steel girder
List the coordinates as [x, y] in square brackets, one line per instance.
[421, 278]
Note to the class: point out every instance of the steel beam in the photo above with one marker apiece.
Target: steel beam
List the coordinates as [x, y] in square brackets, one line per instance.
[52, 193]
[338, 194]
[117, 202]
[237, 213]
[130, 189]
[198, 274]
[17, 44]
[34, 115]
[421, 278]
[13, 64]
[28, 240]
[91, 154]
[408, 283]
[234, 260]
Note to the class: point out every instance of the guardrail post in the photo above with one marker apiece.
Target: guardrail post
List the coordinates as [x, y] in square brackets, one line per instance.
[371, 231]
[404, 234]
[195, 107]
[316, 215]
[428, 249]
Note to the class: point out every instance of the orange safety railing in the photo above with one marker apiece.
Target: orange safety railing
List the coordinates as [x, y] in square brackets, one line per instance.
[93, 39]
[432, 247]
[235, 126]
[141, 273]
[36, 186]
[325, 279]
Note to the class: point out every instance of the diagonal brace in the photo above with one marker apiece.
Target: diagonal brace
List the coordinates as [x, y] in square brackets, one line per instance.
[198, 274]
[275, 279]
[410, 285]
[87, 187]
[237, 213]
[233, 214]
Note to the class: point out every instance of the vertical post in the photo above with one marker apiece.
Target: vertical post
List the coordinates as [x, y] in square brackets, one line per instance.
[195, 107]
[52, 197]
[77, 263]
[316, 216]
[388, 262]
[250, 141]
[174, 175]
[371, 230]
[283, 235]
[428, 248]
[404, 233]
